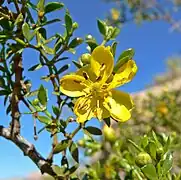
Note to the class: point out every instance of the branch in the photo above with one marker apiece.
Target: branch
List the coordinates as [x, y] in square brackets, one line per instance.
[29, 150]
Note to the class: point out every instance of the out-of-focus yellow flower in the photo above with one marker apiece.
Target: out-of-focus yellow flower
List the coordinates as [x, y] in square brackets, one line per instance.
[162, 108]
[115, 14]
[94, 85]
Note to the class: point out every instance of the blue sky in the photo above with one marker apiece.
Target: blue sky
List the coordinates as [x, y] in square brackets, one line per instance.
[152, 42]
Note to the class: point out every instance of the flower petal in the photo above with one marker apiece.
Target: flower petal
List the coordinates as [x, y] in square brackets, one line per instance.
[83, 108]
[102, 62]
[124, 75]
[73, 85]
[119, 105]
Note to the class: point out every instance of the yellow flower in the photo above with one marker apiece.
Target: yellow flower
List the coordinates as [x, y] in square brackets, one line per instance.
[94, 84]
[162, 108]
[115, 14]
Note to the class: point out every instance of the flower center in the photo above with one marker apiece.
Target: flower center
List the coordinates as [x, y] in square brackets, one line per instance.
[98, 90]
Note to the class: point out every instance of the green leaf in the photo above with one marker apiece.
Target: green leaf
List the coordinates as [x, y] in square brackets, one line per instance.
[149, 171]
[115, 33]
[58, 43]
[152, 149]
[93, 130]
[102, 27]
[53, 6]
[19, 19]
[107, 121]
[75, 42]
[26, 32]
[50, 22]
[2, 82]
[43, 32]
[74, 151]
[4, 92]
[92, 44]
[73, 169]
[123, 58]
[32, 93]
[2, 69]
[167, 163]
[60, 171]
[40, 5]
[44, 119]
[42, 95]
[48, 50]
[61, 146]
[63, 68]
[68, 23]
[56, 110]
[113, 48]
[35, 67]
[144, 141]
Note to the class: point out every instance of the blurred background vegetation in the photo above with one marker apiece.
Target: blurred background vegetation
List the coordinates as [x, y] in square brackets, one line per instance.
[154, 132]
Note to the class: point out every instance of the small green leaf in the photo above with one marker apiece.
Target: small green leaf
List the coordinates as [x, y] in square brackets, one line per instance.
[53, 6]
[92, 44]
[42, 95]
[2, 82]
[144, 141]
[26, 32]
[113, 48]
[74, 151]
[167, 163]
[93, 130]
[35, 67]
[43, 32]
[102, 27]
[40, 5]
[115, 33]
[48, 50]
[61, 146]
[68, 23]
[2, 69]
[123, 58]
[44, 119]
[149, 171]
[63, 68]
[152, 149]
[73, 169]
[56, 110]
[75, 42]
[32, 93]
[60, 171]
[19, 19]
[4, 92]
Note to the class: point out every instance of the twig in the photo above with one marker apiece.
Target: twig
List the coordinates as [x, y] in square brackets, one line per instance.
[29, 150]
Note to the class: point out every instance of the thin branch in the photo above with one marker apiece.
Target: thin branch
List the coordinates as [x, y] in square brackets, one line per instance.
[29, 150]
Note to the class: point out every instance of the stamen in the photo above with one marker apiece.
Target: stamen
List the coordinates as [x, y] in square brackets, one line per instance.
[85, 75]
[98, 78]
[77, 81]
[103, 66]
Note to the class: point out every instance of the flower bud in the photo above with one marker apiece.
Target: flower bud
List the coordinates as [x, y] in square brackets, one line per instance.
[142, 159]
[109, 133]
[35, 102]
[85, 58]
[75, 25]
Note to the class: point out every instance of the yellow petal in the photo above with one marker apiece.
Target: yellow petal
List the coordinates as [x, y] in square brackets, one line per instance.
[124, 75]
[101, 112]
[119, 105]
[83, 109]
[73, 85]
[102, 62]
[86, 71]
